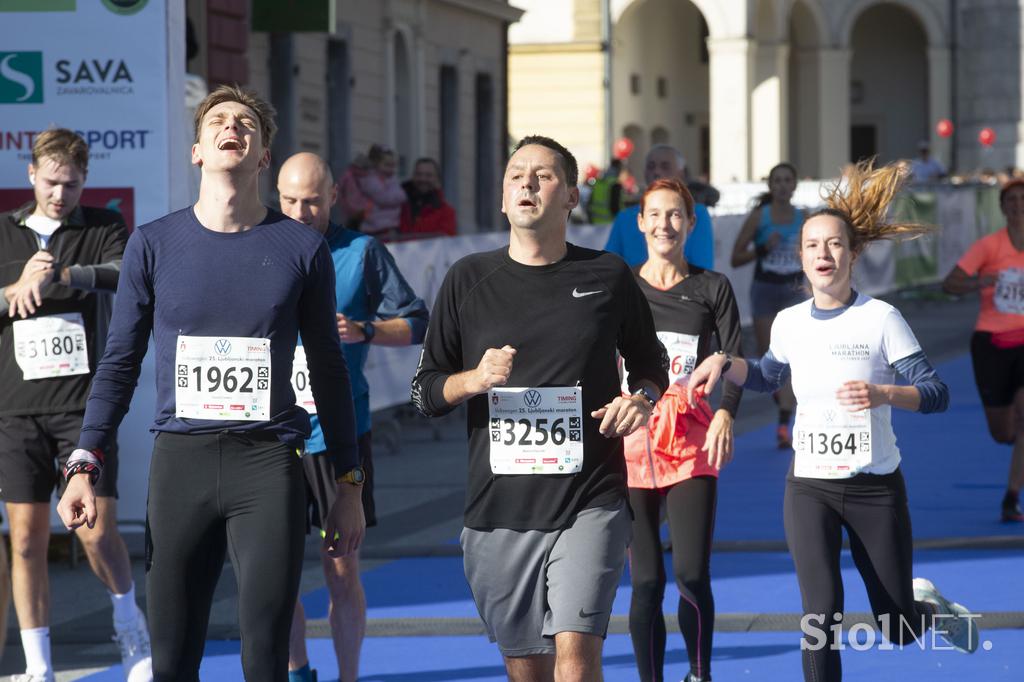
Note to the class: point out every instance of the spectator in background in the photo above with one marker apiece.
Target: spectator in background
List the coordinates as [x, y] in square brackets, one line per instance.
[425, 213]
[926, 168]
[352, 201]
[605, 199]
[385, 193]
[702, 190]
[626, 239]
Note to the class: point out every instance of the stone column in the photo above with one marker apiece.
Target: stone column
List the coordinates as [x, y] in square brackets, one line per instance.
[730, 73]
[769, 104]
[940, 100]
[833, 111]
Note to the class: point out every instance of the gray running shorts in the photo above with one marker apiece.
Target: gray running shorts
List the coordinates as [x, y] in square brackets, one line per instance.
[530, 585]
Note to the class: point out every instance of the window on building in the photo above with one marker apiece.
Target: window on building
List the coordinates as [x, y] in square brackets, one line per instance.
[662, 87]
[403, 110]
[634, 83]
[450, 133]
[486, 152]
[339, 109]
[703, 40]
[282, 96]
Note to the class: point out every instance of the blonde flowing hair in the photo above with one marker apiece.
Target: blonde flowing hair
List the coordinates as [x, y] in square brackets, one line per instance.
[862, 202]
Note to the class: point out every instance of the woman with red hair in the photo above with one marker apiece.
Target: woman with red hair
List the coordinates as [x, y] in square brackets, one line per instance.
[676, 459]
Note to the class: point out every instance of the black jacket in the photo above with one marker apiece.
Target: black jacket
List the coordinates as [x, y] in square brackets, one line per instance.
[90, 242]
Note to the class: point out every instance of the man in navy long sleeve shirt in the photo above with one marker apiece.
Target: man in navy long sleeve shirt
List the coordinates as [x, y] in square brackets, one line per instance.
[375, 306]
[225, 287]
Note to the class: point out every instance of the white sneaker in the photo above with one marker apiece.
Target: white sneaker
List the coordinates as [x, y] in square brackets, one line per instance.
[951, 620]
[135, 658]
[28, 677]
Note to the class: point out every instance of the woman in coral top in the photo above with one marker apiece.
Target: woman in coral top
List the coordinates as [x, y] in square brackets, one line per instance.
[676, 459]
[994, 266]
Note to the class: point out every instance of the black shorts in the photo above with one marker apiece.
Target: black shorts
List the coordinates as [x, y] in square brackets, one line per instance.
[321, 490]
[998, 372]
[33, 452]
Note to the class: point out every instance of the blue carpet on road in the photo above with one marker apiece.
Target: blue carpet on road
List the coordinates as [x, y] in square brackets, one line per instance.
[736, 656]
[955, 477]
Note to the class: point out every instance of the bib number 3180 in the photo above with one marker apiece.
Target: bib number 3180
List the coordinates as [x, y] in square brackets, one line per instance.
[51, 346]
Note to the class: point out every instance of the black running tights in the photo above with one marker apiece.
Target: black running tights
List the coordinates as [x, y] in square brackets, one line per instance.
[873, 510]
[690, 509]
[209, 495]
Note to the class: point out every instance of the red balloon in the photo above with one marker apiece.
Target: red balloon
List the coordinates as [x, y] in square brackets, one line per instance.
[987, 136]
[944, 127]
[591, 171]
[623, 148]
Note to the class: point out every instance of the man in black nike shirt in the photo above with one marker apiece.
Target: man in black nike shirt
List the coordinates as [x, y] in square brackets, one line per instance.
[527, 335]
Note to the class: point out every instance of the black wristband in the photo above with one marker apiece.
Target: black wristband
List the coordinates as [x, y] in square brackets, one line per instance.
[728, 361]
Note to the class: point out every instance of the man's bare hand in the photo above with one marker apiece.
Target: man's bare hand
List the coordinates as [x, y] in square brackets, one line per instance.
[622, 416]
[494, 369]
[26, 295]
[349, 330]
[77, 506]
[346, 524]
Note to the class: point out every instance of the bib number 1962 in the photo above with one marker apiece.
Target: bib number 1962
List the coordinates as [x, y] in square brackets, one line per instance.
[222, 378]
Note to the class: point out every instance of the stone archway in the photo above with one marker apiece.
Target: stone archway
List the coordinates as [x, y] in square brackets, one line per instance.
[889, 89]
[660, 75]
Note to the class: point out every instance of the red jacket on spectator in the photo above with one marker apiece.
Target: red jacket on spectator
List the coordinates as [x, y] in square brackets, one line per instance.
[426, 215]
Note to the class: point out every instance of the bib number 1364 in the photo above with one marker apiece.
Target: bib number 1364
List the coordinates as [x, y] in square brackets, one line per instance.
[831, 442]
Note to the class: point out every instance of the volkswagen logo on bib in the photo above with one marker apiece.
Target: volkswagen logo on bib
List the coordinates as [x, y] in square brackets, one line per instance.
[222, 347]
[532, 398]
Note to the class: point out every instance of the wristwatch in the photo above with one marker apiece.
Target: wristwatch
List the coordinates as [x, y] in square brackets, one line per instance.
[369, 331]
[646, 395]
[355, 476]
[728, 360]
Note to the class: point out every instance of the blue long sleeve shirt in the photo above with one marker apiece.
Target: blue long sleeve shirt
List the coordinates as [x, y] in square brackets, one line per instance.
[626, 240]
[368, 286]
[274, 281]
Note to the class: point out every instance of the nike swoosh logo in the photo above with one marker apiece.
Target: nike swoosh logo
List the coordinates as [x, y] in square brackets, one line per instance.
[584, 614]
[576, 293]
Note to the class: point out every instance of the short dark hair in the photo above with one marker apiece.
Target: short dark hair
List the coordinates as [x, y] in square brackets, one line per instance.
[264, 111]
[432, 162]
[572, 173]
[64, 147]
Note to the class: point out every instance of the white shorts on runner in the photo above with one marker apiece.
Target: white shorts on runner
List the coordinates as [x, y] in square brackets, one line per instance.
[530, 585]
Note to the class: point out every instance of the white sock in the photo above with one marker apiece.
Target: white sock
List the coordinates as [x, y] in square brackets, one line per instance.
[126, 613]
[36, 644]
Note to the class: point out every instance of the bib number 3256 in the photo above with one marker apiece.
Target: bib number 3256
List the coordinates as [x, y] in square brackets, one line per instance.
[223, 378]
[536, 430]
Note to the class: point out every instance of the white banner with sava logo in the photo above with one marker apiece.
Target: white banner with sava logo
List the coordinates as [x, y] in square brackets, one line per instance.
[107, 70]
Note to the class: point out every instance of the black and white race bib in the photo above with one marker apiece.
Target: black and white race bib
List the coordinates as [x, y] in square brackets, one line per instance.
[222, 377]
[536, 430]
[51, 346]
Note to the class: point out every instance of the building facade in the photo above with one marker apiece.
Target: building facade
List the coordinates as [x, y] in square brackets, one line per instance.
[739, 85]
[423, 77]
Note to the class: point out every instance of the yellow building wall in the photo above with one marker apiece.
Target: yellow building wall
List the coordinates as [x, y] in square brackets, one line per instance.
[558, 91]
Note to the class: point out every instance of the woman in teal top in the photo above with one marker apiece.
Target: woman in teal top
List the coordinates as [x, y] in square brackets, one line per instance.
[770, 237]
